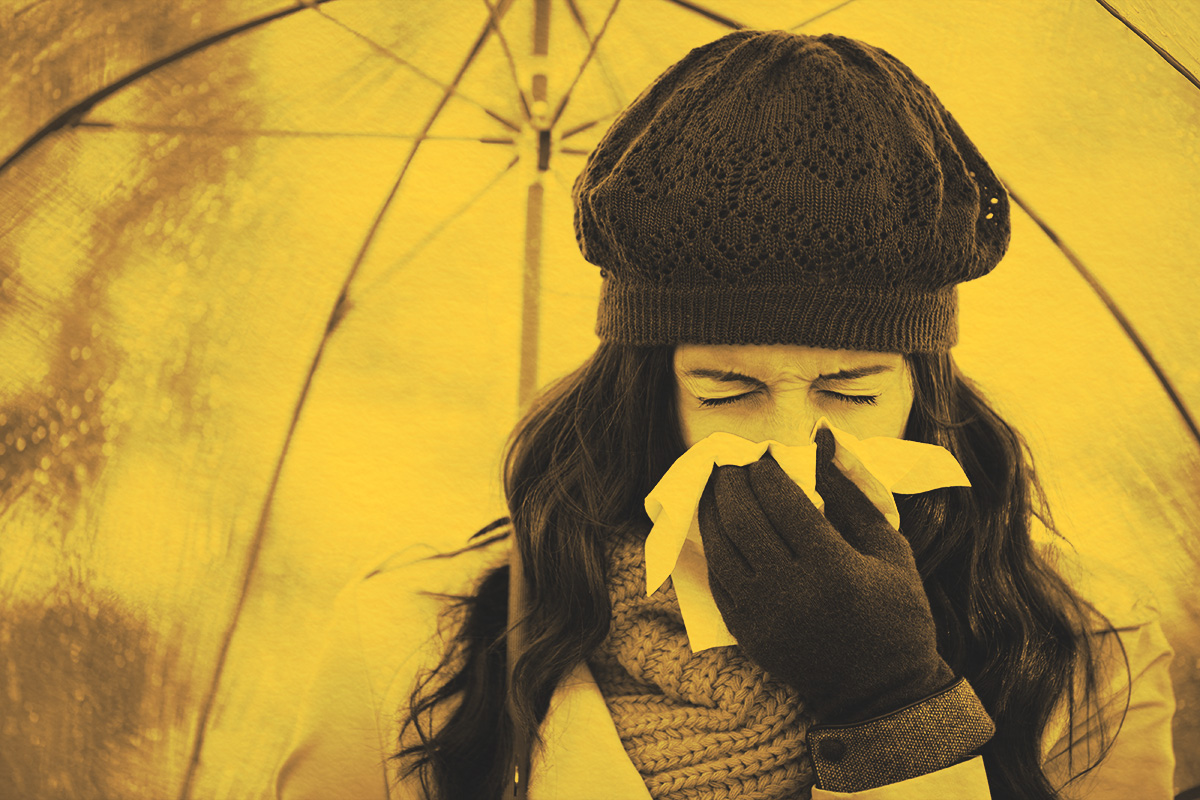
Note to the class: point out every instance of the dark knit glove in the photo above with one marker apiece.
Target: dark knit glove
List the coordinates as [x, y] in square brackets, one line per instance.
[831, 605]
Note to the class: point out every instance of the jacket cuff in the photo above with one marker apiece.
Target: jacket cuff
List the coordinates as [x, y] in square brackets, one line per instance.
[924, 737]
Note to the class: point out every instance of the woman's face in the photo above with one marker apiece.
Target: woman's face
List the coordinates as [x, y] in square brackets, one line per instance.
[779, 391]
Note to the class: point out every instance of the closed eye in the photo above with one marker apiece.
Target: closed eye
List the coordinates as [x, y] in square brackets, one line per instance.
[709, 402]
[856, 399]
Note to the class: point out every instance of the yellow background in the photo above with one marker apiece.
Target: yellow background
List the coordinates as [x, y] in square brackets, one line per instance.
[199, 444]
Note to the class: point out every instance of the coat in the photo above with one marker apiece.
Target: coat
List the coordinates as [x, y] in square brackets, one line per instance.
[380, 638]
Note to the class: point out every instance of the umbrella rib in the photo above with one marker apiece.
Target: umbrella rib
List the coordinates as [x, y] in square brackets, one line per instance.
[566, 98]
[74, 113]
[583, 126]
[1162, 51]
[28, 7]
[824, 13]
[1118, 315]
[416, 249]
[508, 57]
[389, 53]
[336, 314]
[206, 131]
[720, 19]
[576, 15]
[581, 23]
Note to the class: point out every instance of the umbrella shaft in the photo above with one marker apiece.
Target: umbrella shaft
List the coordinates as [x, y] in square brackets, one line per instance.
[530, 295]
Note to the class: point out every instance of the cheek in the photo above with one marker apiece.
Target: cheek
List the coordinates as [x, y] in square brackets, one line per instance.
[690, 420]
[888, 417]
[697, 423]
[903, 407]
[893, 418]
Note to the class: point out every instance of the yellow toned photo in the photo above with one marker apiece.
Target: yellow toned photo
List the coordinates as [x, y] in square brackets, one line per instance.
[613, 399]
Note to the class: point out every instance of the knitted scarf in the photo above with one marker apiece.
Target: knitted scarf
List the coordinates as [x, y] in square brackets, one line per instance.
[696, 725]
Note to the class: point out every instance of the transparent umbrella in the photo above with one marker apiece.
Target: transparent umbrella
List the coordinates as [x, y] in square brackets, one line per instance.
[275, 281]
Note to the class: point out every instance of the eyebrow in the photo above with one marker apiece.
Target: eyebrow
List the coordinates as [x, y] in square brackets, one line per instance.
[729, 376]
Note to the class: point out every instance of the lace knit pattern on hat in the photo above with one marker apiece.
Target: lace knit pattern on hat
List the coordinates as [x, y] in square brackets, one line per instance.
[776, 187]
[696, 725]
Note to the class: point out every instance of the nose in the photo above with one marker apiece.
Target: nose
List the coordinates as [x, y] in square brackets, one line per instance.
[791, 422]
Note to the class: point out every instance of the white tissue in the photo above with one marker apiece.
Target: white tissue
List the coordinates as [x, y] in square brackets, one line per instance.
[879, 466]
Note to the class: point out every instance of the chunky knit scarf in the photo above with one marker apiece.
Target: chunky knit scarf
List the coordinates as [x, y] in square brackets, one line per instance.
[696, 725]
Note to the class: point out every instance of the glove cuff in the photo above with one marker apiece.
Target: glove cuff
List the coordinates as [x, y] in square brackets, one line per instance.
[920, 738]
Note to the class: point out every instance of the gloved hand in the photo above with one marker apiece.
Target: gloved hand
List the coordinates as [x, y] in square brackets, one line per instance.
[831, 605]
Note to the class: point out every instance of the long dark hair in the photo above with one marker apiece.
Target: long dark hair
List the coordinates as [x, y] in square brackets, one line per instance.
[577, 469]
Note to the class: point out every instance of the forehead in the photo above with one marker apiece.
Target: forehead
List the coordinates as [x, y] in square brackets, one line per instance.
[762, 360]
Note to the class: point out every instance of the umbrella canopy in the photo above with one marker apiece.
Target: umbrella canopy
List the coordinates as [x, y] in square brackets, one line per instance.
[277, 279]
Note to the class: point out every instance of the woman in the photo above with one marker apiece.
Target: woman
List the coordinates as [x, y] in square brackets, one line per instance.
[780, 222]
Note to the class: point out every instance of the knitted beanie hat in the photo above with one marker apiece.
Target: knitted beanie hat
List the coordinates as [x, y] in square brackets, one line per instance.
[774, 188]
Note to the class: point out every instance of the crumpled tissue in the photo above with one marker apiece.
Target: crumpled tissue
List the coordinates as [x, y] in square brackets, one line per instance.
[879, 466]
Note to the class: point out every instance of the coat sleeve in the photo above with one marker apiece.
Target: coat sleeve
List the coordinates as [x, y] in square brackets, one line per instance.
[1139, 760]
[1135, 698]
[336, 749]
[383, 631]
